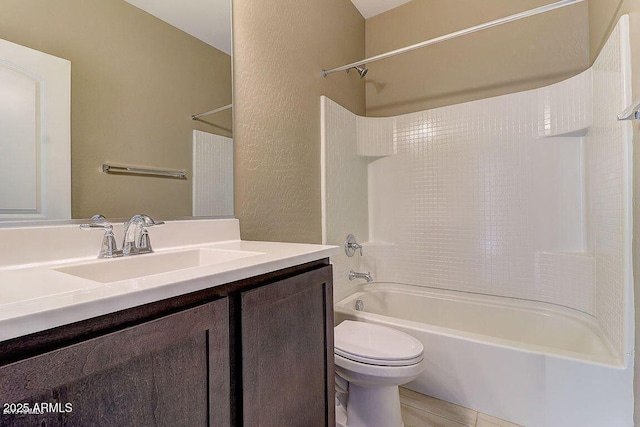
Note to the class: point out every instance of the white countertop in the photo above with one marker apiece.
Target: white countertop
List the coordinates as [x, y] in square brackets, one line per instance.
[35, 296]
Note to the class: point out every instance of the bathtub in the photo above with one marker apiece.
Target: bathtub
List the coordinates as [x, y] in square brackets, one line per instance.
[531, 363]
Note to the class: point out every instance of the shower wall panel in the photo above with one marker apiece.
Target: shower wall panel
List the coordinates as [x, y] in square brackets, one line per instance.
[608, 163]
[344, 178]
[474, 193]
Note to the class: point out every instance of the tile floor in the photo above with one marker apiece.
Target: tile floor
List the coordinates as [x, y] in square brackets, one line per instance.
[419, 410]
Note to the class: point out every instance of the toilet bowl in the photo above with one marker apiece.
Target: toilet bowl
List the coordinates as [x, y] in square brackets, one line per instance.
[374, 360]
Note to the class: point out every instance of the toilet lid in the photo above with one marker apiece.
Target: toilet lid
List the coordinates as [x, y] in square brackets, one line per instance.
[376, 344]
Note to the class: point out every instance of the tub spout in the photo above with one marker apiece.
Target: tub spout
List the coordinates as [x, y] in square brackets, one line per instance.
[355, 275]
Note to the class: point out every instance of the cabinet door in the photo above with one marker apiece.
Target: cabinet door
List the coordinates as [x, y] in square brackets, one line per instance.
[287, 352]
[173, 371]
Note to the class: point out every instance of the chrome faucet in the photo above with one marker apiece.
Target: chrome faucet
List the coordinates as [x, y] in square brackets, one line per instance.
[109, 247]
[136, 237]
[355, 275]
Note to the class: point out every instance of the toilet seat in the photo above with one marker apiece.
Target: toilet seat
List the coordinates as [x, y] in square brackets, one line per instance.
[379, 362]
[376, 345]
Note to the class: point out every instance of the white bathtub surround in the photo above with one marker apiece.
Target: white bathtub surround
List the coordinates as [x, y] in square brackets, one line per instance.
[212, 175]
[608, 165]
[532, 363]
[561, 278]
[374, 136]
[493, 196]
[565, 108]
[524, 196]
[470, 197]
[473, 194]
[344, 176]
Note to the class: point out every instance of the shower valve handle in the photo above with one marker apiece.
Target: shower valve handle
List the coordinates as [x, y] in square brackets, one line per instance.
[351, 245]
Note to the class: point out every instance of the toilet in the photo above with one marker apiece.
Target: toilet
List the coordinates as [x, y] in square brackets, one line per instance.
[371, 361]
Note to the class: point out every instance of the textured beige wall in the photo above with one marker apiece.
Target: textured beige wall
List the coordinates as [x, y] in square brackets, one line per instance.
[280, 49]
[526, 54]
[135, 83]
[603, 16]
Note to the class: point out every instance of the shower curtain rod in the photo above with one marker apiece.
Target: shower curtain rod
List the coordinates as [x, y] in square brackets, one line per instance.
[206, 113]
[517, 16]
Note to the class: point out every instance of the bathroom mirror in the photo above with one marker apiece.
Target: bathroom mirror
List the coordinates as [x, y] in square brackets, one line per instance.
[140, 69]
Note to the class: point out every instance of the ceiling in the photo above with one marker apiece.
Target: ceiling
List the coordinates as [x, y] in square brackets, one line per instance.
[210, 20]
[207, 20]
[369, 8]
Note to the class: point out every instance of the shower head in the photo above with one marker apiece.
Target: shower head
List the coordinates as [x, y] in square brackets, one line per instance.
[361, 70]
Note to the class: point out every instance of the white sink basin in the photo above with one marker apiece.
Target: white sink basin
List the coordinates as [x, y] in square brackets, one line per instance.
[114, 270]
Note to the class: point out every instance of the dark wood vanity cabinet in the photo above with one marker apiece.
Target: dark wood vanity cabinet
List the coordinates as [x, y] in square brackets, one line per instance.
[257, 352]
[167, 372]
[287, 352]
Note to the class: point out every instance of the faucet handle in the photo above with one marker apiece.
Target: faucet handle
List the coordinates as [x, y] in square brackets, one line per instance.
[144, 243]
[98, 225]
[351, 245]
[109, 247]
[147, 221]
